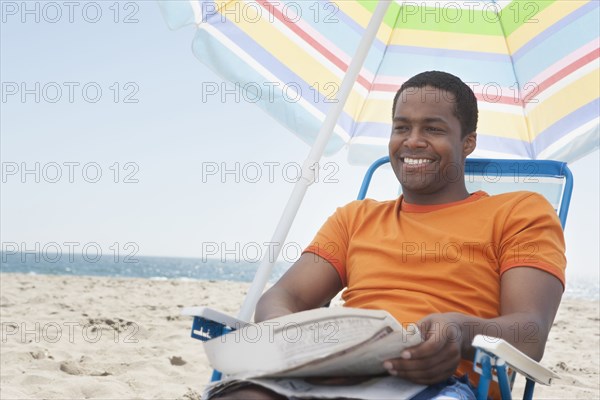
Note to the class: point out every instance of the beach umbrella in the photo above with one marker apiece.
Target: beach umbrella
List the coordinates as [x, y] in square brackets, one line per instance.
[328, 71]
[532, 64]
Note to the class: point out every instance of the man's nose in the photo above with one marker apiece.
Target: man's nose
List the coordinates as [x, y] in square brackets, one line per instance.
[415, 139]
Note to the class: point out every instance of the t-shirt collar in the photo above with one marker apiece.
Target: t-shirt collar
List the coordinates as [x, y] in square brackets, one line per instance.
[421, 208]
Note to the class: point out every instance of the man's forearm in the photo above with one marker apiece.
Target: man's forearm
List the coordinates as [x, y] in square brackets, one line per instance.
[309, 283]
[525, 331]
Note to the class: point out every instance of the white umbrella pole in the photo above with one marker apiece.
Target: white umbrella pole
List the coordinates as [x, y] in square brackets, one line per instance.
[291, 209]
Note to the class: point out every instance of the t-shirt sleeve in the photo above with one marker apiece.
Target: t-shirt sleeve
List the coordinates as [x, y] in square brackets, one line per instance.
[533, 237]
[332, 240]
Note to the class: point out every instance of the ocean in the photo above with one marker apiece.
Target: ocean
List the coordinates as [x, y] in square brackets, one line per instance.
[161, 268]
[158, 268]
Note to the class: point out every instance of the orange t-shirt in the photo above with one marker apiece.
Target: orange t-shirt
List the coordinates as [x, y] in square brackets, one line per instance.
[415, 260]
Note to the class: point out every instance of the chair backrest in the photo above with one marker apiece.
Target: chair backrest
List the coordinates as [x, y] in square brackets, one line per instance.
[552, 179]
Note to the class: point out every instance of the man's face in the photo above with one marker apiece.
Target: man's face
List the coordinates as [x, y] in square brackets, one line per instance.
[427, 150]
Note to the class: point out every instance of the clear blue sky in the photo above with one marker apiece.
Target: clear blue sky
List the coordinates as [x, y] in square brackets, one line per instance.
[164, 140]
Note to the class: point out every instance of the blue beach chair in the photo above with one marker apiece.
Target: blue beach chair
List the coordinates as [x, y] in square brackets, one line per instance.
[495, 359]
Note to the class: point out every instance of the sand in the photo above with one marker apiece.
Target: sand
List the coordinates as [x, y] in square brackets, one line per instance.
[95, 337]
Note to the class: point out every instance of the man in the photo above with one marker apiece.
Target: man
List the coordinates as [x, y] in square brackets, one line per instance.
[457, 264]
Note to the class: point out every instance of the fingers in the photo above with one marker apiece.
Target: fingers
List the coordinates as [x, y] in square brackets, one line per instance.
[432, 361]
[437, 357]
[427, 370]
[430, 347]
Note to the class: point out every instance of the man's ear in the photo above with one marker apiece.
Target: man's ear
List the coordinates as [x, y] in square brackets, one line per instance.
[469, 143]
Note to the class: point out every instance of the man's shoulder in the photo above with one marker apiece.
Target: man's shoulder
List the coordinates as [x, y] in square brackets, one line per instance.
[526, 203]
[367, 208]
[516, 197]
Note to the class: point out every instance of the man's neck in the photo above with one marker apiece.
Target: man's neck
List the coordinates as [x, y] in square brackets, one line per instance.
[435, 198]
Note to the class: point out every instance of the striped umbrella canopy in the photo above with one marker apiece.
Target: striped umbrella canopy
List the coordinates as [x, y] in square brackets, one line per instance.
[533, 66]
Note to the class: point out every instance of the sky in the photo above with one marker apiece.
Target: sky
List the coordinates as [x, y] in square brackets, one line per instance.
[107, 144]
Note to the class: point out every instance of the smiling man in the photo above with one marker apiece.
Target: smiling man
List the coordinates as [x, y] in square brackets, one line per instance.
[456, 263]
[431, 138]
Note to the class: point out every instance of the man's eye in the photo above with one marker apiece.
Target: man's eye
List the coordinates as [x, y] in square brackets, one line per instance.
[400, 128]
[432, 129]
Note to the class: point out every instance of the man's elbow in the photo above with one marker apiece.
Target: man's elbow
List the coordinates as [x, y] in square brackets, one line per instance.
[262, 308]
[535, 336]
[273, 303]
[535, 348]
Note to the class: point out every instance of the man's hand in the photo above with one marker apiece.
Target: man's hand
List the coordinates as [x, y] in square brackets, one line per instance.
[437, 357]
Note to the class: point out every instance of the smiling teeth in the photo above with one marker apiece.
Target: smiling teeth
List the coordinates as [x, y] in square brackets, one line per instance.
[416, 161]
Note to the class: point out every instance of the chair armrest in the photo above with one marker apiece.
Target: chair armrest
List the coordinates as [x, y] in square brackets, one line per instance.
[214, 315]
[209, 324]
[500, 349]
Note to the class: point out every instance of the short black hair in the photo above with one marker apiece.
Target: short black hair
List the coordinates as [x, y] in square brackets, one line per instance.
[465, 108]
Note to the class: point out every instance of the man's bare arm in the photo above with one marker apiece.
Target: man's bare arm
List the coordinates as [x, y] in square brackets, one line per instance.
[310, 283]
[529, 300]
[531, 297]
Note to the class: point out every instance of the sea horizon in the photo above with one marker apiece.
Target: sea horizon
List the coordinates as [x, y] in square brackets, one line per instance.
[182, 268]
[148, 267]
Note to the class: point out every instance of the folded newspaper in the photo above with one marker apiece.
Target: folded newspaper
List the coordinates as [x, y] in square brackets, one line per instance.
[286, 355]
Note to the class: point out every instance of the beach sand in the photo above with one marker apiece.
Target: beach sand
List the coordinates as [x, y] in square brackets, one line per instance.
[94, 337]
